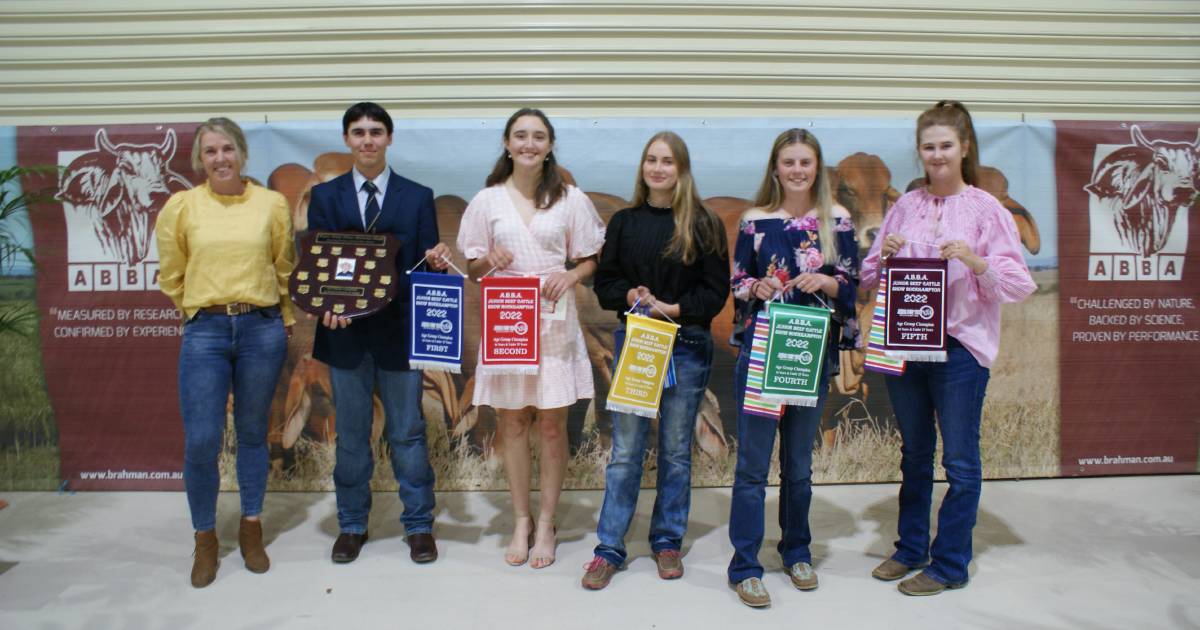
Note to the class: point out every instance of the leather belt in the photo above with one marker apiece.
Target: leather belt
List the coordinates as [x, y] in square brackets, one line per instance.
[236, 308]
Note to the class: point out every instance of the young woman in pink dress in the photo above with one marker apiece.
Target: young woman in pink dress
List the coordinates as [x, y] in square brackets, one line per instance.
[530, 222]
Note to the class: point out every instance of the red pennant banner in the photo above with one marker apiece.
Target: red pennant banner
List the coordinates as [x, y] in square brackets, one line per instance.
[510, 324]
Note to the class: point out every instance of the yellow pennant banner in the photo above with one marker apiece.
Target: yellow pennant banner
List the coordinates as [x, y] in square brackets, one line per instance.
[637, 383]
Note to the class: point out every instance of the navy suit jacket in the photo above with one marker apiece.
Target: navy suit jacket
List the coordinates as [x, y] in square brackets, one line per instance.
[407, 214]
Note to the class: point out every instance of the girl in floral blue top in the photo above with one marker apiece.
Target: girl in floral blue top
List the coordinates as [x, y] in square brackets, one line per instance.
[797, 244]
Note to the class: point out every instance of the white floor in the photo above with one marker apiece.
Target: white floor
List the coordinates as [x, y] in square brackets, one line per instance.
[1073, 553]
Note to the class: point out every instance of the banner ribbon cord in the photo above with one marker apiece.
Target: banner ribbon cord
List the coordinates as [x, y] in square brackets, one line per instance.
[445, 260]
[646, 310]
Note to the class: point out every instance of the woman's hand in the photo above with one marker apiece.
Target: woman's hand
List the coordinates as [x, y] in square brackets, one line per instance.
[891, 245]
[557, 284]
[814, 282]
[961, 251]
[632, 295]
[641, 295]
[766, 288]
[499, 258]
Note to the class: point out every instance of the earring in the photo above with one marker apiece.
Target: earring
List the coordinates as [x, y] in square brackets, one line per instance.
[508, 155]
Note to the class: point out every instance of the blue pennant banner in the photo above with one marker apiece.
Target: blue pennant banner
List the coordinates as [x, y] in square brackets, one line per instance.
[437, 304]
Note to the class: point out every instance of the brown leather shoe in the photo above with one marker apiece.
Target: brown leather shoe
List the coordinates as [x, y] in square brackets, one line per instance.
[204, 564]
[422, 547]
[251, 544]
[890, 569]
[923, 584]
[669, 563]
[347, 546]
[803, 576]
[753, 593]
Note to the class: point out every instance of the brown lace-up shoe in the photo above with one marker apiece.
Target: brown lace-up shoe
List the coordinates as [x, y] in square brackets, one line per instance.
[204, 563]
[670, 564]
[251, 544]
[753, 593]
[599, 574]
[803, 576]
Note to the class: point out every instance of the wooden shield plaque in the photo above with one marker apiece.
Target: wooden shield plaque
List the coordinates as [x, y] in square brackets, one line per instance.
[350, 274]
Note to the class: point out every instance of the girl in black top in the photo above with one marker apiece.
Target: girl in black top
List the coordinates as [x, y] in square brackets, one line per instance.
[668, 252]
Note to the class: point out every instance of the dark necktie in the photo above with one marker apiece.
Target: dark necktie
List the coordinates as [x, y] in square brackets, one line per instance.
[372, 213]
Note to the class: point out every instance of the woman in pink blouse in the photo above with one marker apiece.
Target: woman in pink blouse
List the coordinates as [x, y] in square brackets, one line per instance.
[530, 222]
[951, 219]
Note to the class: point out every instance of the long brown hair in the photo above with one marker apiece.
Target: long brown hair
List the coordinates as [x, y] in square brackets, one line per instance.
[697, 229]
[770, 191]
[953, 114]
[551, 187]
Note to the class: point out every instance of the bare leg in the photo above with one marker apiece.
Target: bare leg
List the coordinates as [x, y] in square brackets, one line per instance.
[552, 434]
[514, 430]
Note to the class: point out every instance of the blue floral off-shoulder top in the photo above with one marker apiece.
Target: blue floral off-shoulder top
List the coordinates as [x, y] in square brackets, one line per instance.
[786, 248]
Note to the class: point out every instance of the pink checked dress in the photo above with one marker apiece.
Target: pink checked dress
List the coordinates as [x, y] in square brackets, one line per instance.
[568, 230]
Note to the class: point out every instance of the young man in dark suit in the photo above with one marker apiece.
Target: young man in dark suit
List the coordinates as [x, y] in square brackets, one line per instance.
[372, 352]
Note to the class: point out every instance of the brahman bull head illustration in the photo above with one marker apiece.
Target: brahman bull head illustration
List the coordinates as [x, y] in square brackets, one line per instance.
[1145, 186]
[121, 188]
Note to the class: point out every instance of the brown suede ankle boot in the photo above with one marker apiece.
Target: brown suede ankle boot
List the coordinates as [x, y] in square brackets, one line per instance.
[204, 564]
[251, 544]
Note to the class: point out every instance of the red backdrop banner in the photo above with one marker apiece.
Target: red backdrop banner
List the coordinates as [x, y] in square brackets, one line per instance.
[1129, 328]
[110, 338]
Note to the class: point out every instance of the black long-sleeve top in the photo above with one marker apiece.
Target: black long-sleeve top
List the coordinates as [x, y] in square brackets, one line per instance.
[633, 255]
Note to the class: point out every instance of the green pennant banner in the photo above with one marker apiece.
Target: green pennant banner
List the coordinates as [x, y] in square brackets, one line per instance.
[795, 354]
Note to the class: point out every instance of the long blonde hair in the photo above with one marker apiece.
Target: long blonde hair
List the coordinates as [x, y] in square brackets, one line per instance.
[697, 229]
[770, 192]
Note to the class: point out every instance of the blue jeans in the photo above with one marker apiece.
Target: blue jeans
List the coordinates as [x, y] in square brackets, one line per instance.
[797, 430]
[954, 390]
[677, 420]
[400, 391]
[218, 352]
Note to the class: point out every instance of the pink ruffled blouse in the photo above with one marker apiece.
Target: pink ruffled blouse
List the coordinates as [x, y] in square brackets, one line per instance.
[975, 216]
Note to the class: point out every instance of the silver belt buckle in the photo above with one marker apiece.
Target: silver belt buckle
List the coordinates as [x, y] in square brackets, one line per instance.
[237, 308]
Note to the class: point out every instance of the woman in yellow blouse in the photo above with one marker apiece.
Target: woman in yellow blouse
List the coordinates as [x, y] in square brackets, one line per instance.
[225, 253]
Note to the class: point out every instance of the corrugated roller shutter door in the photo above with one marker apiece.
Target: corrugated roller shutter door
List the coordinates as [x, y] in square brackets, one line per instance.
[72, 61]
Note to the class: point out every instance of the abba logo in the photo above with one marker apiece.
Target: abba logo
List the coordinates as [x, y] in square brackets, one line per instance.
[649, 371]
[1139, 198]
[519, 328]
[925, 312]
[444, 326]
[111, 196]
